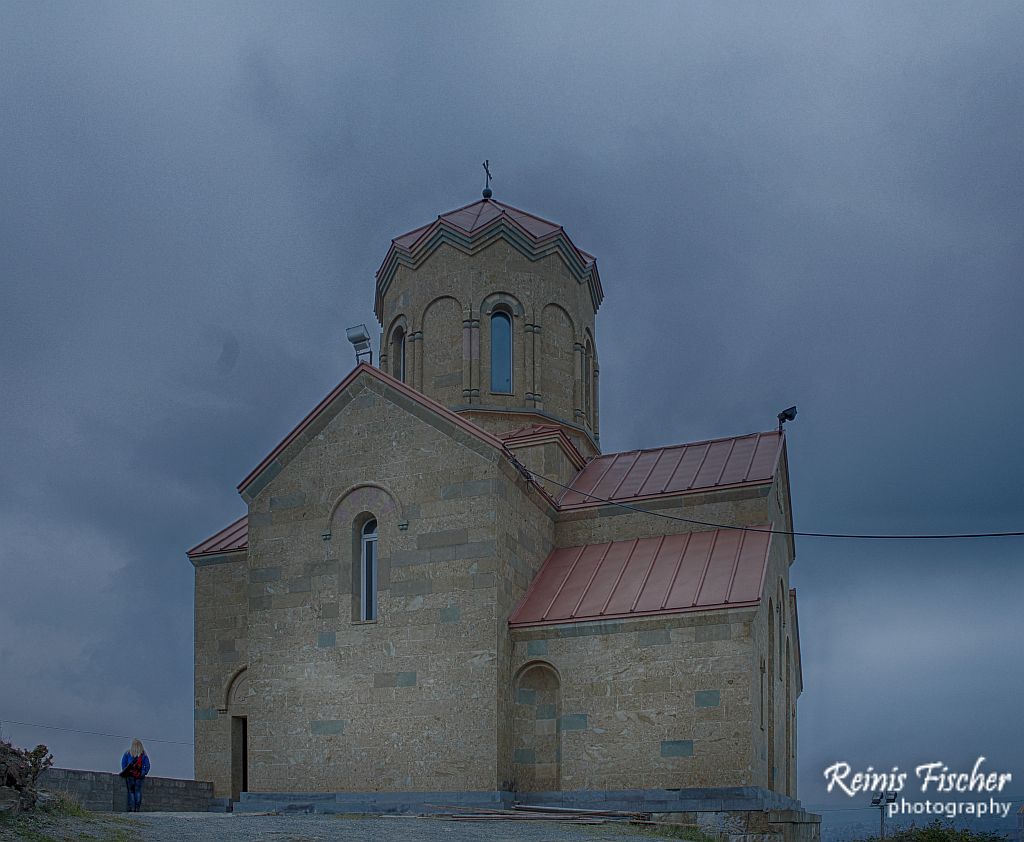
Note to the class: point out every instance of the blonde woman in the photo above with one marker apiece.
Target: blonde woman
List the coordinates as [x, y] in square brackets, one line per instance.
[134, 768]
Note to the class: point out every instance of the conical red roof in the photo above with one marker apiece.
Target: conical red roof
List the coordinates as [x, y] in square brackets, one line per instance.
[473, 227]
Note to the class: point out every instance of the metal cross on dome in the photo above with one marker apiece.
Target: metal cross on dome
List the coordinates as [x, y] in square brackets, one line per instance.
[487, 182]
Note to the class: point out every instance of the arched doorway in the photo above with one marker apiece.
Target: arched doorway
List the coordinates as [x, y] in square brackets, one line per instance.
[770, 702]
[238, 710]
[790, 758]
[536, 748]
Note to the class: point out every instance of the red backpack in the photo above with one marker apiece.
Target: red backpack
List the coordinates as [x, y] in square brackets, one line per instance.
[135, 767]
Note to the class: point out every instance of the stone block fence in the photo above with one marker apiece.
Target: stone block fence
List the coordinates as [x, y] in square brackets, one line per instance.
[106, 792]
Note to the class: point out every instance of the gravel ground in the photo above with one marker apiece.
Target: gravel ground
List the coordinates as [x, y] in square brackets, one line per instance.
[197, 827]
[171, 827]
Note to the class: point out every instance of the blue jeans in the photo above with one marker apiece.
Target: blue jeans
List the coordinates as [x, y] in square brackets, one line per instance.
[134, 794]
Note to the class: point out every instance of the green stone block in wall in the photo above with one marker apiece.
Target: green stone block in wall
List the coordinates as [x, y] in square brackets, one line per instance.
[536, 647]
[405, 679]
[325, 640]
[451, 614]
[573, 722]
[526, 696]
[677, 748]
[525, 755]
[719, 631]
[327, 727]
[545, 711]
[654, 637]
[707, 698]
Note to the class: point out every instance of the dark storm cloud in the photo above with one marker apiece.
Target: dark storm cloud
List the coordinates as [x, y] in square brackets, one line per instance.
[817, 204]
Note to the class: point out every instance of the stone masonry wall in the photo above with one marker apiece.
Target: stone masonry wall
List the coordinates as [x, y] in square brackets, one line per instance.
[661, 702]
[407, 702]
[221, 610]
[771, 716]
[597, 524]
[551, 313]
[106, 792]
[525, 529]
[749, 506]
[429, 696]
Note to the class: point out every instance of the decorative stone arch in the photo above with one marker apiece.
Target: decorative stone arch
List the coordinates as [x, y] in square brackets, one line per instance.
[399, 327]
[536, 735]
[589, 379]
[365, 497]
[534, 663]
[235, 705]
[781, 608]
[559, 362]
[438, 350]
[238, 680]
[501, 300]
[355, 506]
[553, 306]
[521, 379]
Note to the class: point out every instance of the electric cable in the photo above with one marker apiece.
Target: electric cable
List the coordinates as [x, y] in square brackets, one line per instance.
[535, 477]
[94, 733]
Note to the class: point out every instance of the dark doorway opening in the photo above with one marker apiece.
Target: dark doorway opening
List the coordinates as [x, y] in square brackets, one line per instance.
[239, 756]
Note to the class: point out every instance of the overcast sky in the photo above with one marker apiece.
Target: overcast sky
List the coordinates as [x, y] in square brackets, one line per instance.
[817, 204]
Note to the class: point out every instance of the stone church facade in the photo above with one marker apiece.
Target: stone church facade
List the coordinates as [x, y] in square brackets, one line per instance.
[435, 588]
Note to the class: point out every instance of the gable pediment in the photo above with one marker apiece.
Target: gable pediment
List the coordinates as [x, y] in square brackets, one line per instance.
[365, 377]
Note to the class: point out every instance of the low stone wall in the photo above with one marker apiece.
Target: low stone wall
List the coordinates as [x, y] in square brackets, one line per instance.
[106, 792]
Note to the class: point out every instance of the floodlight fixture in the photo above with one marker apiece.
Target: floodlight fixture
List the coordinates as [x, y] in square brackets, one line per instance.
[787, 414]
[359, 336]
[881, 800]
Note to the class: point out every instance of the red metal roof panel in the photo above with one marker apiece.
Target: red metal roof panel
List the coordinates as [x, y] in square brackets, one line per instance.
[230, 538]
[623, 599]
[478, 215]
[692, 569]
[697, 571]
[668, 462]
[682, 468]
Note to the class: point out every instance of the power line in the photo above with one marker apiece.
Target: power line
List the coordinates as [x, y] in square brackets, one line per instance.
[530, 475]
[94, 733]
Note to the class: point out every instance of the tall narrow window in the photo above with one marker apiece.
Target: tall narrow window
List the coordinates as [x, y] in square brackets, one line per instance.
[398, 354]
[501, 353]
[368, 571]
[588, 382]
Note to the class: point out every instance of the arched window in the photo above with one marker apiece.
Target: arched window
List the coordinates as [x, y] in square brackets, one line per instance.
[368, 571]
[588, 382]
[398, 354]
[501, 353]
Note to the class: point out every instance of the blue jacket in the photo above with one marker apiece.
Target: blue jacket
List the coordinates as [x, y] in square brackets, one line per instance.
[127, 758]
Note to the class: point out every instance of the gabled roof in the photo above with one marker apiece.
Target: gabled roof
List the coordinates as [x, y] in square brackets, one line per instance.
[230, 539]
[476, 226]
[535, 434]
[670, 574]
[733, 462]
[528, 431]
[376, 373]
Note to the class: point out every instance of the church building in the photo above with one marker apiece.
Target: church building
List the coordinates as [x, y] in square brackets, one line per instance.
[445, 592]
